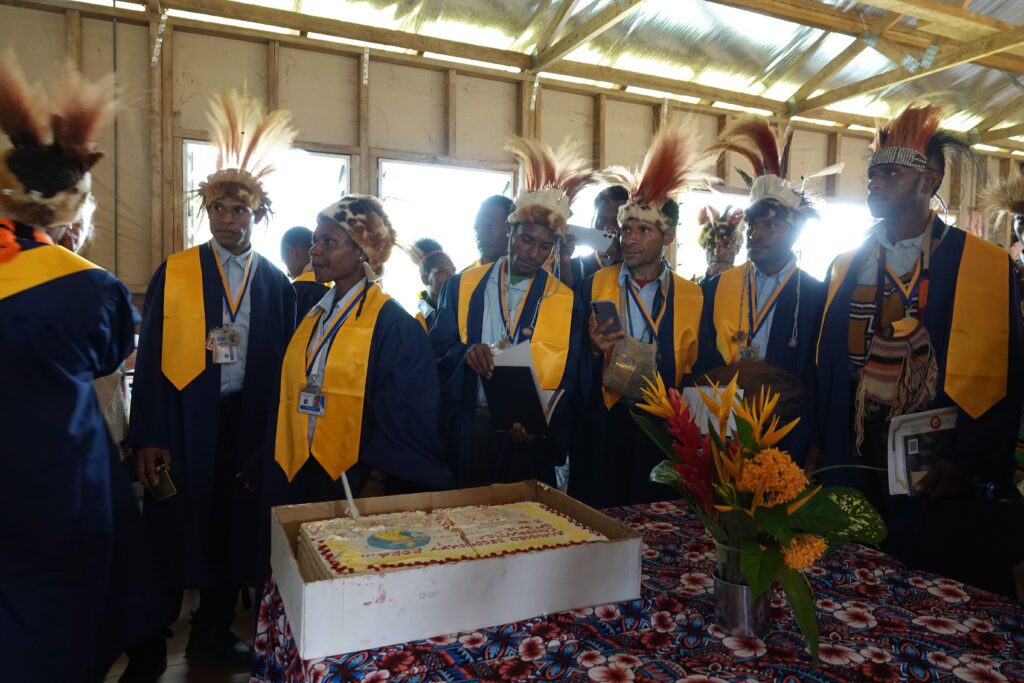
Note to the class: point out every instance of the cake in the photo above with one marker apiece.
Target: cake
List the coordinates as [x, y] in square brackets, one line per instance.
[336, 547]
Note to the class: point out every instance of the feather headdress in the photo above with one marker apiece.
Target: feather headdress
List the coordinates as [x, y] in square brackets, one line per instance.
[754, 140]
[720, 228]
[671, 165]
[1004, 196]
[551, 179]
[248, 144]
[45, 175]
[914, 134]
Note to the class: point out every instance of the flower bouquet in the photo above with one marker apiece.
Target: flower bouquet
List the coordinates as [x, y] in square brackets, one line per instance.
[770, 521]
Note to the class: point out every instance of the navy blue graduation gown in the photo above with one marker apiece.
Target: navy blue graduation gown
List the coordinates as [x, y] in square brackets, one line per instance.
[399, 428]
[307, 295]
[185, 422]
[984, 447]
[459, 388]
[798, 361]
[74, 575]
[603, 470]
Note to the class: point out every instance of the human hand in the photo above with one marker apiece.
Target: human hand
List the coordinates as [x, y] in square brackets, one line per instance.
[520, 435]
[150, 462]
[480, 360]
[601, 340]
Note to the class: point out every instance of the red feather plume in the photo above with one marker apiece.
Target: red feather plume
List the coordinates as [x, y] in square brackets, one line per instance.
[21, 116]
[913, 128]
[81, 110]
[564, 168]
[755, 141]
[671, 165]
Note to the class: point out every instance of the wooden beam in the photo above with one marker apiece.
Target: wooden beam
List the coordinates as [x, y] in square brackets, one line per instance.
[172, 237]
[1002, 133]
[721, 167]
[351, 30]
[938, 12]
[451, 81]
[964, 55]
[1000, 114]
[600, 122]
[555, 26]
[832, 155]
[74, 37]
[523, 123]
[590, 29]
[273, 75]
[156, 171]
[818, 15]
[363, 109]
[768, 80]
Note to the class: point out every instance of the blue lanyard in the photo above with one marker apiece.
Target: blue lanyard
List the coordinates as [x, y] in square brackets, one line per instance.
[328, 338]
[649, 323]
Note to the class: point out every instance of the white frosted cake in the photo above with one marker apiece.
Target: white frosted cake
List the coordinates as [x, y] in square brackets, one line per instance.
[336, 547]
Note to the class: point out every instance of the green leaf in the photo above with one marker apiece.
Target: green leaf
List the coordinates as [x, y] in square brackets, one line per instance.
[739, 527]
[717, 532]
[656, 432]
[775, 522]
[745, 434]
[664, 473]
[801, 599]
[864, 523]
[759, 568]
[716, 439]
[820, 515]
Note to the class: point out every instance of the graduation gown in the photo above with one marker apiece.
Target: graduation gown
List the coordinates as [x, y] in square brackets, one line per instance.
[307, 293]
[798, 361]
[614, 466]
[983, 445]
[75, 576]
[398, 432]
[185, 422]
[517, 462]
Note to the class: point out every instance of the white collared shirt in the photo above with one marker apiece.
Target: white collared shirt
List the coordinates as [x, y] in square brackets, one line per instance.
[634, 322]
[232, 375]
[765, 286]
[901, 256]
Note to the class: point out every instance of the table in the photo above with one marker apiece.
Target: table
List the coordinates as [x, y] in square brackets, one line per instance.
[878, 620]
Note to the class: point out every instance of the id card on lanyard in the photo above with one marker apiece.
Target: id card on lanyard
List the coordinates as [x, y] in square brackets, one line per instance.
[651, 325]
[224, 340]
[757, 314]
[311, 397]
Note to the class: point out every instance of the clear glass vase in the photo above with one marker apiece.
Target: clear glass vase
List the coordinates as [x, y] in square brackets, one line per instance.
[737, 611]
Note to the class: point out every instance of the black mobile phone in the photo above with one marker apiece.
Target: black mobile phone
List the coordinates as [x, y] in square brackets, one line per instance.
[604, 311]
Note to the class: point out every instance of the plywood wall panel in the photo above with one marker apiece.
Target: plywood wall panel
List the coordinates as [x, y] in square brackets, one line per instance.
[38, 39]
[852, 185]
[322, 92]
[407, 109]
[122, 239]
[205, 64]
[628, 132]
[485, 114]
[567, 115]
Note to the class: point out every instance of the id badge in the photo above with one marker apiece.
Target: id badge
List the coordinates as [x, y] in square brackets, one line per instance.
[223, 352]
[311, 399]
[749, 353]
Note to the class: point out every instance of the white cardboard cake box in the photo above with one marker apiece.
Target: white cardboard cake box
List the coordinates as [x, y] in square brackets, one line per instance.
[367, 611]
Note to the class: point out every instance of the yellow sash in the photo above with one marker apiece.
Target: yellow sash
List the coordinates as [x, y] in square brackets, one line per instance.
[422, 321]
[687, 302]
[976, 372]
[34, 267]
[979, 335]
[338, 431]
[309, 276]
[549, 345]
[726, 314]
[183, 355]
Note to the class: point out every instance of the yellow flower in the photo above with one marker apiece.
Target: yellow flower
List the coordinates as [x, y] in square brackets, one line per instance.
[720, 402]
[656, 398]
[756, 412]
[773, 477]
[803, 551]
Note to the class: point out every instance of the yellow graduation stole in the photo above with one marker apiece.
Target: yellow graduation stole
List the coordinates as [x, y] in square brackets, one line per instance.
[183, 355]
[34, 267]
[687, 301]
[730, 315]
[309, 276]
[549, 344]
[979, 333]
[338, 431]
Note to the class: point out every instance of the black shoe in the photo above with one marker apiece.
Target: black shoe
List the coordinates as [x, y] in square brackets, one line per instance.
[223, 646]
[146, 661]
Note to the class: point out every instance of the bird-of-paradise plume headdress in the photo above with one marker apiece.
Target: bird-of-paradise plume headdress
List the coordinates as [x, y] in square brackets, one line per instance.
[1005, 196]
[754, 140]
[550, 180]
[671, 165]
[45, 174]
[913, 136]
[720, 228]
[248, 144]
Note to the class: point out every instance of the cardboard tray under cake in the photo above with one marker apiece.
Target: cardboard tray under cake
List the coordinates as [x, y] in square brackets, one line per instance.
[369, 610]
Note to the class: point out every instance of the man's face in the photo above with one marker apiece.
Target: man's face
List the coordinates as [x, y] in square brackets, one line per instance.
[334, 256]
[891, 187]
[606, 219]
[491, 232]
[770, 238]
[231, 222]
[438, 274]
[643, 243]
[531, 247]
[721, 253]
[295, 258]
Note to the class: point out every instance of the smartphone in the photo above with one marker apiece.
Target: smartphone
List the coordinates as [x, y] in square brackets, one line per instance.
[164, 488]
[605, 310]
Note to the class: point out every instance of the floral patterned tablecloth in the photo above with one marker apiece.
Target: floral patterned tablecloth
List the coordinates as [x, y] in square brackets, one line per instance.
[879, 622]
